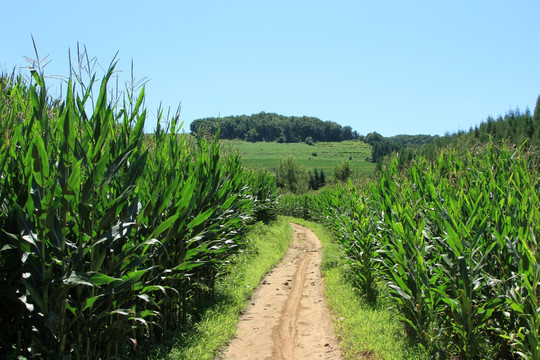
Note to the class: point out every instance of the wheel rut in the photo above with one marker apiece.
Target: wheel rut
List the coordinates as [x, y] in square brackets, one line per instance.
[288, 317]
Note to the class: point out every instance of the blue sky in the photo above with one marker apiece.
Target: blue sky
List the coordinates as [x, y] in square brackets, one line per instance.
[395, 67]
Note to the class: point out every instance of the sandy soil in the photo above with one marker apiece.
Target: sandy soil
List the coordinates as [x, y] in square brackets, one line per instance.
[288, 317]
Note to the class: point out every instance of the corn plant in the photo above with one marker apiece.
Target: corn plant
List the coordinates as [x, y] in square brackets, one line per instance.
[109, 237]
[455, 242]
[354, 226]
[265, 195]
[523, 298]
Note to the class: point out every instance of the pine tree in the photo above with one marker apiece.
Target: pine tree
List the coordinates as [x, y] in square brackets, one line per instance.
[322, 179]
[313, 180]
[317, 180]
[536, 123]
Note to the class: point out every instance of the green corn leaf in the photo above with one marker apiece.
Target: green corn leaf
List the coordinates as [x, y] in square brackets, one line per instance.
[453, 239]
[153, 288]
[189, 265]
[74, 180]
[34, 99]
[186, 194]
[399, 283]
[399, 291]
[89, 302]
[124, 283]
[519, 308]
[229, 201]
[148, 313]
[36, 294]
[71, 309]
[145, 297]
[114, 167]
[118, 231]
[200, 218]
[123, 312]
[165, 225]
[148, 244]
[68, 133]
[40, 161]
[114, 208]
[139, 126]
[25, 245]
[140, 320]
[88, 279]
[464, 272]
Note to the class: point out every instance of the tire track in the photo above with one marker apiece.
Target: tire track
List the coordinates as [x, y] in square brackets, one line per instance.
[285, 336]
[288, 317]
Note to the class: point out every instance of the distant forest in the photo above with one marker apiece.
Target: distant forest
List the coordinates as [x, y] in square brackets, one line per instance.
[515, 127]
[274, 127]
[382, 146]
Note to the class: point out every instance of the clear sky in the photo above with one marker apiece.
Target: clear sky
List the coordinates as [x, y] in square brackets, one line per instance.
[395, 67]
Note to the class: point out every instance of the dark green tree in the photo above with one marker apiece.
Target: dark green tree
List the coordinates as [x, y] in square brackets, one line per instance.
[313, 180]
[317, 179]
[536, 123]
[291, 177]
[373, 138]
[252, 135]
[321, 181]
[342, 172]
[346, 133]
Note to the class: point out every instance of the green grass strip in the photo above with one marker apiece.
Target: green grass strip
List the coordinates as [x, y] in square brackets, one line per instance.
[267, 246]
[365, 332]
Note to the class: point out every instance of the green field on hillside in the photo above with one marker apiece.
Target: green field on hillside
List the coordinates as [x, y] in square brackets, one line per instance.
[320, 155]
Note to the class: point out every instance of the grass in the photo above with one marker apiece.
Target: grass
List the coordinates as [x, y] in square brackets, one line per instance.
[365, 331]
[267, 245]
[328, 155]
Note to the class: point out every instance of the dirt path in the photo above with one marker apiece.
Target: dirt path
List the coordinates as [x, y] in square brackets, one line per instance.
[288, 317]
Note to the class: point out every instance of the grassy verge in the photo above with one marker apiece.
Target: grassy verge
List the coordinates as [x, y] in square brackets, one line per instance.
[366, 332]
[267, 245]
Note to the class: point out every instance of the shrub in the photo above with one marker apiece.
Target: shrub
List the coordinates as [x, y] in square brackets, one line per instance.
[291, 177]
[342, 172]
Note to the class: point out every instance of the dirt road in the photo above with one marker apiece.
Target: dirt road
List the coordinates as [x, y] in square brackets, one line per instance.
[288, 317]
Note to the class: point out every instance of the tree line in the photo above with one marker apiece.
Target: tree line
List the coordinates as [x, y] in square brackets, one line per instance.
[274, 127]
[514, 127]
[382, 146]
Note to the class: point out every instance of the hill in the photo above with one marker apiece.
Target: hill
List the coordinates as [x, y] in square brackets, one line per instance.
[274, 127]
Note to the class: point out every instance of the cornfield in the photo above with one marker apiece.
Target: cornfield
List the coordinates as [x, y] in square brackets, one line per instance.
[110, 237]
[454, 240]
